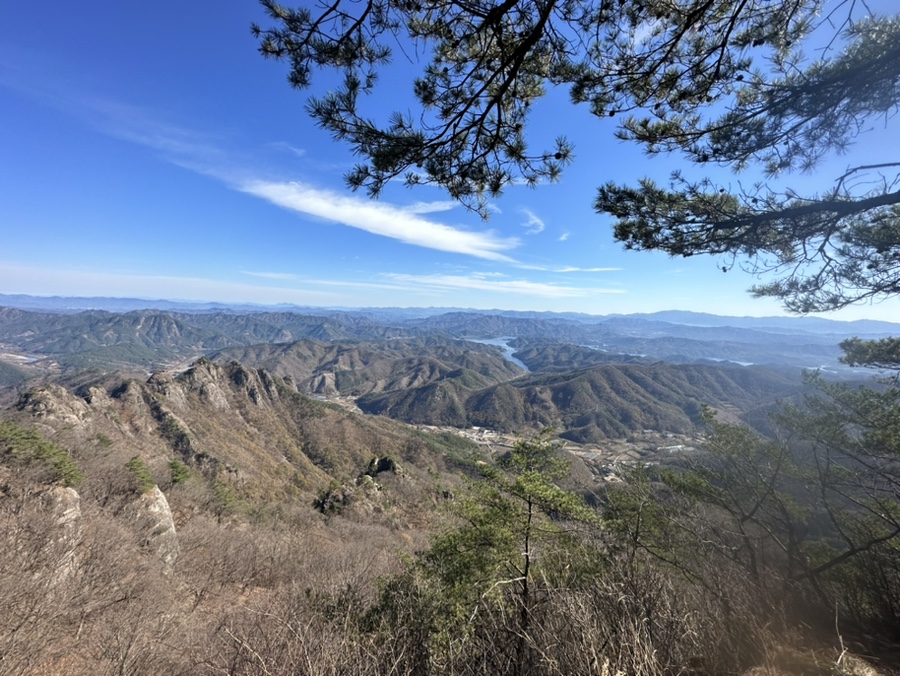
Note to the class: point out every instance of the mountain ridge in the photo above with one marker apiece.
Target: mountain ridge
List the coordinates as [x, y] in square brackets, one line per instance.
[594, 403]
[78, 303]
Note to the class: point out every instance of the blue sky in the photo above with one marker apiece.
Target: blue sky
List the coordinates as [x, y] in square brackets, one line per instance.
[147, 150]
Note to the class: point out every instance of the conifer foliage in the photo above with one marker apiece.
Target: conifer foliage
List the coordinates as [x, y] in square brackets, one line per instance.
[721, 82]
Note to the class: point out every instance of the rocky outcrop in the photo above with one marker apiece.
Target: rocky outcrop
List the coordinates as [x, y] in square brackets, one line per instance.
[53, 403]
[157, 526]
[214, 383]
[323, 384]
[65, 505]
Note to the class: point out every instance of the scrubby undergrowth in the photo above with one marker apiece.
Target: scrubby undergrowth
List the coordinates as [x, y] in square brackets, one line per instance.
[217, 522]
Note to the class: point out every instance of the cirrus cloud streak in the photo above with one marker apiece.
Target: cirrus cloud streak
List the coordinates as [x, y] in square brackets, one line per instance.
[492, 284]
[381, 219]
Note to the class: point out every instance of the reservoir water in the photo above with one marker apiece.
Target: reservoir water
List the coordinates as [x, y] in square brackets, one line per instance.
[504, 344]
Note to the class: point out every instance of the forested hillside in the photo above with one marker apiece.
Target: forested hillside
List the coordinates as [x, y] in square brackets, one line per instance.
[216, 520]
[592, 404]
[237, 512]
[357, 368]
[147, 340]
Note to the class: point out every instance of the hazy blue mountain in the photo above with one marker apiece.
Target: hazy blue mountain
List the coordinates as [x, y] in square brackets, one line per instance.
[811, 324]
[155, 338]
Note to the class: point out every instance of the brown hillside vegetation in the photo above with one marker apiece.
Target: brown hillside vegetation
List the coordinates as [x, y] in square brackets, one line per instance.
[592, 404]
[217, 521]
[357, 368]
[237, 426]
[161, 507]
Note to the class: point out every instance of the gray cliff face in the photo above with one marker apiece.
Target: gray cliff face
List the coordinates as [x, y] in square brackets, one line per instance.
[53, 404]
[216, 385]
[86, 421]
[156, 526]
[65, 505]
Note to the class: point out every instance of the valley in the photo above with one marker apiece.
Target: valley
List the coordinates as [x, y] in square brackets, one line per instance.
[193, 486]
[450, 369]
[593, 379]
[618, 391]
[488, 379]
[606, 460]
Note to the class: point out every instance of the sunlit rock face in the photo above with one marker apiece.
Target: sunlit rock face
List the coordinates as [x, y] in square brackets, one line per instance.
[157, 527]
[65, 504]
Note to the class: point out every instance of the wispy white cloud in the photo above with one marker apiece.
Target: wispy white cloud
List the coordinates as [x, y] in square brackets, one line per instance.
[192, 150]
[36, 77]
[534, 224]
[303, 279]
[202, 154]
[198, 152]
[504, 286]
[380, 218]
[280, 276]
[430, 207]
[564, 268]
[565, 236]
[287, 147]
[570, 268]
[643, 32]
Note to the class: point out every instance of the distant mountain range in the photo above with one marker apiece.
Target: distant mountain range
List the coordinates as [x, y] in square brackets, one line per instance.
[151, 338]
[591, 377]
[781, 324]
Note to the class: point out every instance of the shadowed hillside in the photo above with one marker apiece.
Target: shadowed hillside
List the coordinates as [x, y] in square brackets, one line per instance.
[588, 405]
[357, 368]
